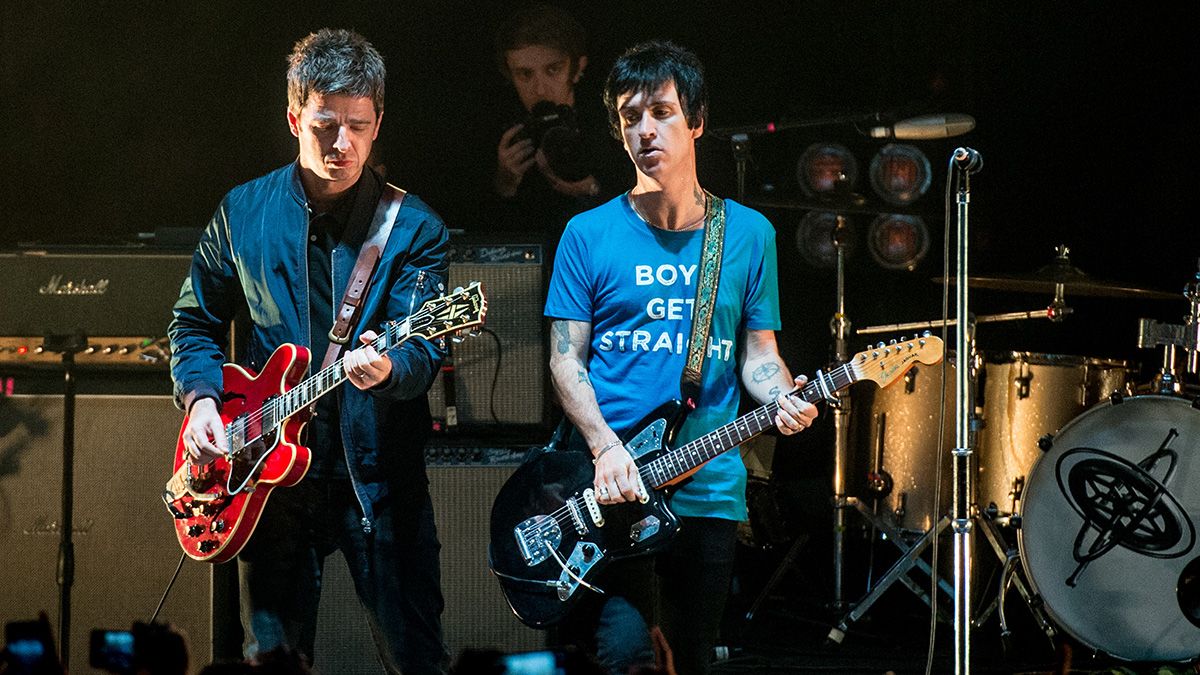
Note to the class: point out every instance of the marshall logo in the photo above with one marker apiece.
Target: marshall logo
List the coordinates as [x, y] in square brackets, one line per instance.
[56, 286]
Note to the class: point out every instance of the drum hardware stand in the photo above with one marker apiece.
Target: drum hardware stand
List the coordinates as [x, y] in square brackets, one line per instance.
[68, 345]
[740, 144]
[839, 327]
[898, 572]
[1053, 312]
[991, 520]
[1174, 337]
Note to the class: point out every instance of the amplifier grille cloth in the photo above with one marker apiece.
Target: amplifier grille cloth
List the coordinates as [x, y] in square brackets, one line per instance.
[515, 302]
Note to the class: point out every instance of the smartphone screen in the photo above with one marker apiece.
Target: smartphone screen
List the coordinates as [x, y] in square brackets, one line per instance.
[532, 663]
[111, 650]
[26, 644]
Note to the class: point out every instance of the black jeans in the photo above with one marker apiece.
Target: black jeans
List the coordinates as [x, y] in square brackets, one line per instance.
[395, 572]
[683, 590]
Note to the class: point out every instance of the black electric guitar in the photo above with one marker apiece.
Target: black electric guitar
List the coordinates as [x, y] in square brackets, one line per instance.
[549, 536]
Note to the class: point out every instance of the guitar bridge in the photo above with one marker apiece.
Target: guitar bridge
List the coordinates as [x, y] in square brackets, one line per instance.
[536, 536]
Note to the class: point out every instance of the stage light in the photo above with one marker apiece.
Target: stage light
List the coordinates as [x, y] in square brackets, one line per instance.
[825, 168]
[900, 174]
[814, 238]
[898, 242]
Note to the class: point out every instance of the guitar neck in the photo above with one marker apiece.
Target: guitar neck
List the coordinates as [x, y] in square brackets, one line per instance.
[669, 466]
[307, 391]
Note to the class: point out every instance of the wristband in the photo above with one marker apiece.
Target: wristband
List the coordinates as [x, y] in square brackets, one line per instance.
[609, 446]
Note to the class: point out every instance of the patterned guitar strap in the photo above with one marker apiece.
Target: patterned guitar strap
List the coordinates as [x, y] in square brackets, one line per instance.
[706, 298]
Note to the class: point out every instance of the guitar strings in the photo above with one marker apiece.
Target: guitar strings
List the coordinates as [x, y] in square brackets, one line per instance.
[810, 392]
[421, 318]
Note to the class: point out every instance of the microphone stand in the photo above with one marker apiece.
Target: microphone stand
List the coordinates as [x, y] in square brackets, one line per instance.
[68, 346]
[962, 496]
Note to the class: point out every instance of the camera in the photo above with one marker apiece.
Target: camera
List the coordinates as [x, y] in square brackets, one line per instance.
[553, 129]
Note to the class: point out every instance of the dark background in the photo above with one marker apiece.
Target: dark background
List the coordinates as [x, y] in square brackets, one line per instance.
[126, 118]
[121, 118]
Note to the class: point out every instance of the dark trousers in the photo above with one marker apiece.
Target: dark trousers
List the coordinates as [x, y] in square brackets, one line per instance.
[395, 572]
[683, 590]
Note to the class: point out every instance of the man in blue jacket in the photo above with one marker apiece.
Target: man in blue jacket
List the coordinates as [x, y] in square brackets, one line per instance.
[282, 248]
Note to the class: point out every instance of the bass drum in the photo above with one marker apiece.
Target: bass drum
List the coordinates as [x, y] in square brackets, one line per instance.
[1108, 533]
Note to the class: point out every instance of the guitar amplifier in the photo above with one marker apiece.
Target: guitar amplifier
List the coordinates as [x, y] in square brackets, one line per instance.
[498, 377]
[120, 300]
[125, 546]
[463, 481]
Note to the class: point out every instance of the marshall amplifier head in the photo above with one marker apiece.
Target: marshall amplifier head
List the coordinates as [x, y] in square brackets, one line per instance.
[99, 293]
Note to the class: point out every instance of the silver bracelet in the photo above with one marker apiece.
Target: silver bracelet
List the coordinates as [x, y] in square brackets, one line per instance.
[609, 446]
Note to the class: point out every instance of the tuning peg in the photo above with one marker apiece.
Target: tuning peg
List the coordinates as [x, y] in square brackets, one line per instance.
[456, 339]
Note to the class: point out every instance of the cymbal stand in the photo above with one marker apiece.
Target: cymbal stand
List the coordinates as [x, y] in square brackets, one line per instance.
[68, 346]
[839, 326]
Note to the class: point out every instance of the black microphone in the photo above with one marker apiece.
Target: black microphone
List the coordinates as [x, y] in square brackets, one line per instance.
[968, 160]
[925, 127]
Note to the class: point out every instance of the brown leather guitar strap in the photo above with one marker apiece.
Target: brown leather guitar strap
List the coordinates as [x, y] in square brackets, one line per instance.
[364, 267]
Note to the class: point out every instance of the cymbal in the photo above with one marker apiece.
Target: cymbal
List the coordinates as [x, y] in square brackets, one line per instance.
[1073, 281]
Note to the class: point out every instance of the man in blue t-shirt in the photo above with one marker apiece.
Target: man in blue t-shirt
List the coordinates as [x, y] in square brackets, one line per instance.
[621, 302]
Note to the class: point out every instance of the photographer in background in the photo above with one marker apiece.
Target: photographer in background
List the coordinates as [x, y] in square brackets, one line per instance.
[554, 159]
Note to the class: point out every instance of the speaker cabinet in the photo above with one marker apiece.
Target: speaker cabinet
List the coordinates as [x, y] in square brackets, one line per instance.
[476, 614]
[125, 546]
[499, 376]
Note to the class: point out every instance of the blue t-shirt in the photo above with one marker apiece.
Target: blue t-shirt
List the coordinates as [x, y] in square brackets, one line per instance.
[636, 284]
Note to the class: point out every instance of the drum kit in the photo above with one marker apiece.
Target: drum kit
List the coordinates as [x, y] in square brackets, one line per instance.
[1085, 481]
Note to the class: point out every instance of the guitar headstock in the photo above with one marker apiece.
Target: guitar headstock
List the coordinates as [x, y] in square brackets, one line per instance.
[885, 363]
[460, 310]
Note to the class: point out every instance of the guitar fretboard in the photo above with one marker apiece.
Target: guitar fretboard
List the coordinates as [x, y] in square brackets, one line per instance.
[677, 462]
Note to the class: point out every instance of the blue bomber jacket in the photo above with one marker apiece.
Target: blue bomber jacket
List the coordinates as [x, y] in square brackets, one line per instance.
[252, 258]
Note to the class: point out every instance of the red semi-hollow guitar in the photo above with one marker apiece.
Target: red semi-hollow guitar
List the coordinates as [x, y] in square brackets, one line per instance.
[216, 505]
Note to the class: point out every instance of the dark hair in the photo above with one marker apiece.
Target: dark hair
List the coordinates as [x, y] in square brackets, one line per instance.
[334, 61]
[540, 24]
[646, 67]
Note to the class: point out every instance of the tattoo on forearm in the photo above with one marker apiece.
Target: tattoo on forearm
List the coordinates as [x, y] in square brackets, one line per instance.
[774, 392]
[562, 336]
[583, 378]
[764, 372]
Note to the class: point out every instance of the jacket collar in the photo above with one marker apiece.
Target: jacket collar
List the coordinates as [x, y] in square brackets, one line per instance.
[366, 197]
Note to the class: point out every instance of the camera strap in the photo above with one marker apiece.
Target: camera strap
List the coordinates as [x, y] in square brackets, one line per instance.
[711, 251]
